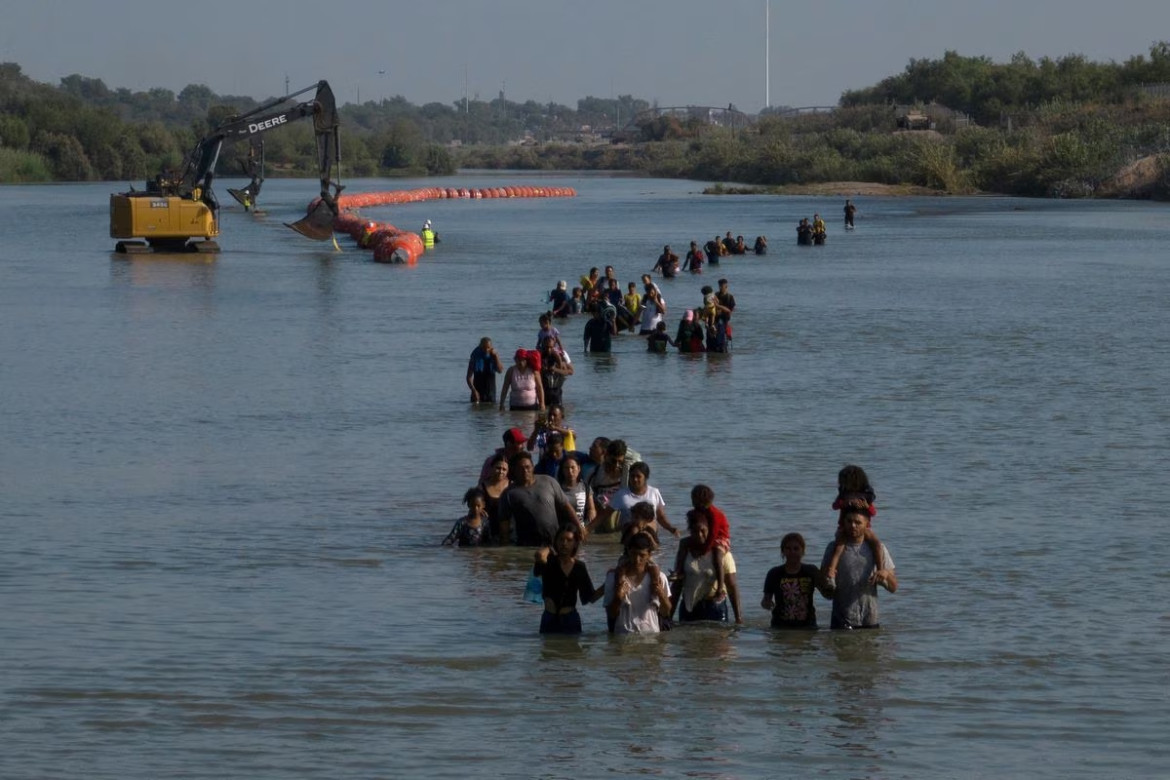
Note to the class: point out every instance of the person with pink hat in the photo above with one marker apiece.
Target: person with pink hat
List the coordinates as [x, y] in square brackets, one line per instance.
[522, 382]
[689, 337]
[515, 441]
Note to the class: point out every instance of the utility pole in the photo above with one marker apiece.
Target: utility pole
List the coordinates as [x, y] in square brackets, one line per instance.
[767, 53]
[286, 85]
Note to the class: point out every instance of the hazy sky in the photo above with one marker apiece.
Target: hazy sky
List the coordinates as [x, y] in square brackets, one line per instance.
[678, 52]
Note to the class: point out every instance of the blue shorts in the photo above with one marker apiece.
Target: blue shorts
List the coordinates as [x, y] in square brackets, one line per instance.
[704, 610]
[552, 623]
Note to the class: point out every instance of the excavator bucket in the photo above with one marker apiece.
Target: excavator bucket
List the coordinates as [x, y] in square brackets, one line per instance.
[317, 224]
[246, 196]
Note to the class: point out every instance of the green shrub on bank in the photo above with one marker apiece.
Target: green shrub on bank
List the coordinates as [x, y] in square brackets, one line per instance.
[18, 167]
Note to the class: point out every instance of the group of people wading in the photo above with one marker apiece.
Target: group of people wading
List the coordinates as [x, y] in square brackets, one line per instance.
[815, 232]
[538, 490]
[564, 498]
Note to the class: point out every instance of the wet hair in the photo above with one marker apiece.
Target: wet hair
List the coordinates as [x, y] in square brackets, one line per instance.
[855, 505]
[572, 531]
[643, 510]
[852, 480]
[640, 468]
[702, 496]
[472, 494]
[616, 449]
[698, 515]
[563, 472]
[545, 319]
[724, 281]
[519, 456]
[640, 541]
[793, 537]
[707, 289]
[603, 441]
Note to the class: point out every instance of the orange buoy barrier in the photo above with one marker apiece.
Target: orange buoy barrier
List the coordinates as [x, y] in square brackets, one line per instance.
[391, 245]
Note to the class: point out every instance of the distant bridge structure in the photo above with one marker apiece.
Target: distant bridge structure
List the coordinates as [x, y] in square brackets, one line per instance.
[788, 112]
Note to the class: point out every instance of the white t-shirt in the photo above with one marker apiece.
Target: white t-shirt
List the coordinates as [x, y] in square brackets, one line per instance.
[639, 611]
[650, 314]
[699, 577]
[623, 501]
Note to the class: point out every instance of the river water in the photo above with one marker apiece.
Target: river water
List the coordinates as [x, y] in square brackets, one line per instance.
[224, 483]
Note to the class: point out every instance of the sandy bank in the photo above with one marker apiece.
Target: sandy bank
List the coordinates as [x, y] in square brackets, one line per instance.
[843, 189]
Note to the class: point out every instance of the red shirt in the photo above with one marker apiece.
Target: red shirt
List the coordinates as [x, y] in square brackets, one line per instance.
[720, 529]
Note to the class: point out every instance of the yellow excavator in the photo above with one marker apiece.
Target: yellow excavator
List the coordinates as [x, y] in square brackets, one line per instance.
[179, 212]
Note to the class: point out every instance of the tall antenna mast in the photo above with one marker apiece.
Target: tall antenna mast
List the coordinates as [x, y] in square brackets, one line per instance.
[767, 53]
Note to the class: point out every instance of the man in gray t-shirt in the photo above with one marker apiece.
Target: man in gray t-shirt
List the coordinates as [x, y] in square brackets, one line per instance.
[854, 592]
[534, 507]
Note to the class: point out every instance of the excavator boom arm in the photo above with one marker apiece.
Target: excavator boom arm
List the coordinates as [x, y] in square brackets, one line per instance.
[199, 170]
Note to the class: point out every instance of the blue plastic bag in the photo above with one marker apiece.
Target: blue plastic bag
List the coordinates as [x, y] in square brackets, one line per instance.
[533, 590]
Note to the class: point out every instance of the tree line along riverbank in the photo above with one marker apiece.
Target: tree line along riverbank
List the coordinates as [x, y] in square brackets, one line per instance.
[1049, 128]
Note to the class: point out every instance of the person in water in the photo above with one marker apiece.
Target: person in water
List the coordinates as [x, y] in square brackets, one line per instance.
[667, 263]
[706, 574]
[854, 590]
[653, 310]
[578, 493]
[564, 582]
[522, 382]
[804, 232]
[637, 594]
[641, 522]
[850, 210]
[482, 367]
[638, 489]
[657, 341]
[558, 300]
[534, 507]
[471, 530]
[789, 588]
[689, 337]
[761, 246]
[728, 244]
[554, 371]
[633, 302]
[599, 332]
[713, 247]
[853, 484]
[515, 441]
[547, 424]
[606, 479]
[493, 488]
[549, 463]
[818, 227]
[694, 259]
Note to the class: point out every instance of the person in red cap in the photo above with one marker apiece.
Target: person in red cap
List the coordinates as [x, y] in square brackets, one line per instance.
[522, 382]
[515, 441]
